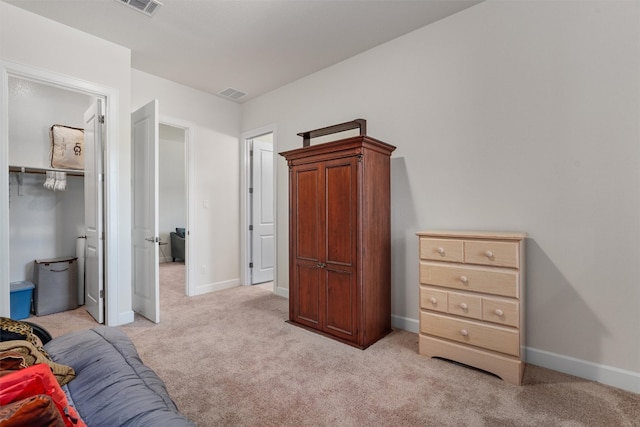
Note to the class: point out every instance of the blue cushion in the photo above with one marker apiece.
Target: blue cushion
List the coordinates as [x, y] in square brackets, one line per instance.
[113, 387]
[180, 232]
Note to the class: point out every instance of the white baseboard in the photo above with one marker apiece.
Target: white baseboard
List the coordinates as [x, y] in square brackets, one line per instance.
[411, 325]
[609, 375]
[282, 292]
[124, 318]
[217, 286]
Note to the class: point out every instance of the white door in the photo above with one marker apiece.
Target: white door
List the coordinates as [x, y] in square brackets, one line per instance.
[144, 142]
[93, 203]
[262, 242]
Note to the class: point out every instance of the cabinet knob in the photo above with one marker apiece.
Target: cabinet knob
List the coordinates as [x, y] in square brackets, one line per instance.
[464, 333]
[440, 251]
[499, 312]
[463, 306]
[433, 300]
[489, 254]
[464, 279]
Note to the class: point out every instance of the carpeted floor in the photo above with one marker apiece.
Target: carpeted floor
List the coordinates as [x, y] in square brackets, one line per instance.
[229, 359]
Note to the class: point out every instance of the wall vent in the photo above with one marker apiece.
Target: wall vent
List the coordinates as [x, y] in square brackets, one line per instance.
[148, 7]
[232, 93]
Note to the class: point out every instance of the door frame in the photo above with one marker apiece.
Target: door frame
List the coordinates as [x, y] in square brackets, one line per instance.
[245, 205]
[111, 206]
[189, 143]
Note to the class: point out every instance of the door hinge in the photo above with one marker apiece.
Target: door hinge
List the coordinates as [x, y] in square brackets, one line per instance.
[101, 119]
[250, 265]
[101, 293]
[251, 228]
[250, 190]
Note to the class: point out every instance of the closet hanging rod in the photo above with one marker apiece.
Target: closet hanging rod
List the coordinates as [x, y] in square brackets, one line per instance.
[28, 169]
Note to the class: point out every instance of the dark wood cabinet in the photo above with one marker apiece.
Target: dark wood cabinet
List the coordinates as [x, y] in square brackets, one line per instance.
[339, 239]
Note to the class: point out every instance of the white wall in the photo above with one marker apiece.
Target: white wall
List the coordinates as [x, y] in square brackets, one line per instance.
[33, 109]
[215, 167]
[171, 186]
[43, 223]
[507, 116]
[44, 45]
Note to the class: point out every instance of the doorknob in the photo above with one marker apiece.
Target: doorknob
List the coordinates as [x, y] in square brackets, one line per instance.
[151, 239]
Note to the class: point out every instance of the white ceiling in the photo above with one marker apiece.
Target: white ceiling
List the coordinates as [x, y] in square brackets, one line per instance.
[253, 46]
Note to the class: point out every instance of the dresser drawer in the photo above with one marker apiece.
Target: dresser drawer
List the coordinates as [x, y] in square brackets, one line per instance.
[441, 249]
[499, 254]
[501, 311]
[476, 279]
[433, 299]
[465, 305]
[496, 338]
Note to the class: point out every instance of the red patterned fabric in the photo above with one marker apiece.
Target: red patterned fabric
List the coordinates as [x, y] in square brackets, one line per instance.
[38, 379]
[34, 411]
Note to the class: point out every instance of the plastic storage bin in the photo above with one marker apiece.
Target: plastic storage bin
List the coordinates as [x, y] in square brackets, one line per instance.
[20, 299]
[56, 283]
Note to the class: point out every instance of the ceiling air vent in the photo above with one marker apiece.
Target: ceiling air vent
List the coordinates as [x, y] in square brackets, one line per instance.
[232, 93]
[148, 7]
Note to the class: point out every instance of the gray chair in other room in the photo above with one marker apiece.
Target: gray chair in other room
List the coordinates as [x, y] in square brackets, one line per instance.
[177, 244]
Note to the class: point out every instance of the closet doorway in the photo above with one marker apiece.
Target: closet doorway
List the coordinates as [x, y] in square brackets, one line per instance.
[258, 252]
[48, 221]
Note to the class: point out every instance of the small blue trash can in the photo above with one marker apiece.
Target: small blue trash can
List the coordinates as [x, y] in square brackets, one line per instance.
[21, 296]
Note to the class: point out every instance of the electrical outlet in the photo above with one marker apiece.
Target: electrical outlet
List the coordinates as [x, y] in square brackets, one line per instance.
[203, 269]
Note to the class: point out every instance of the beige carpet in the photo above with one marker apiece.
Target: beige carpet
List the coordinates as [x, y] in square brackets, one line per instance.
[229, 359]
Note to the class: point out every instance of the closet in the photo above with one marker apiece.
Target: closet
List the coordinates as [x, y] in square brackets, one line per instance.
[45, 221]
[340, 244]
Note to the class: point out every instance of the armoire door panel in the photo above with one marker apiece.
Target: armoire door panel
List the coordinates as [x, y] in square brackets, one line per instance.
[307, 294]
[340, 212]
[308, 211]
[340, 303]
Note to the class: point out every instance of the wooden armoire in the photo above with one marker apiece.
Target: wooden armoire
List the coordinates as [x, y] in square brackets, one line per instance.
[339, 238]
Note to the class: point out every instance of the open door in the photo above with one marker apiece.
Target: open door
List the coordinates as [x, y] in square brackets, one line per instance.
[262, 241]
[144, 142]
[93, 203]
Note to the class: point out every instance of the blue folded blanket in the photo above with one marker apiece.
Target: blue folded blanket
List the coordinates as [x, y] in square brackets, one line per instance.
[112, 386]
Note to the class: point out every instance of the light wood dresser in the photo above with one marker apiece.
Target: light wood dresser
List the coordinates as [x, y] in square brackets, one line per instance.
[472, 299]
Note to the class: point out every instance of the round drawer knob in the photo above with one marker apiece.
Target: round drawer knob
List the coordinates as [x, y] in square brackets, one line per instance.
[464, 279]
[499, 312]
[433, 300]
[463, 306]
[440, 251]
[489, 254]
[464, 333]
